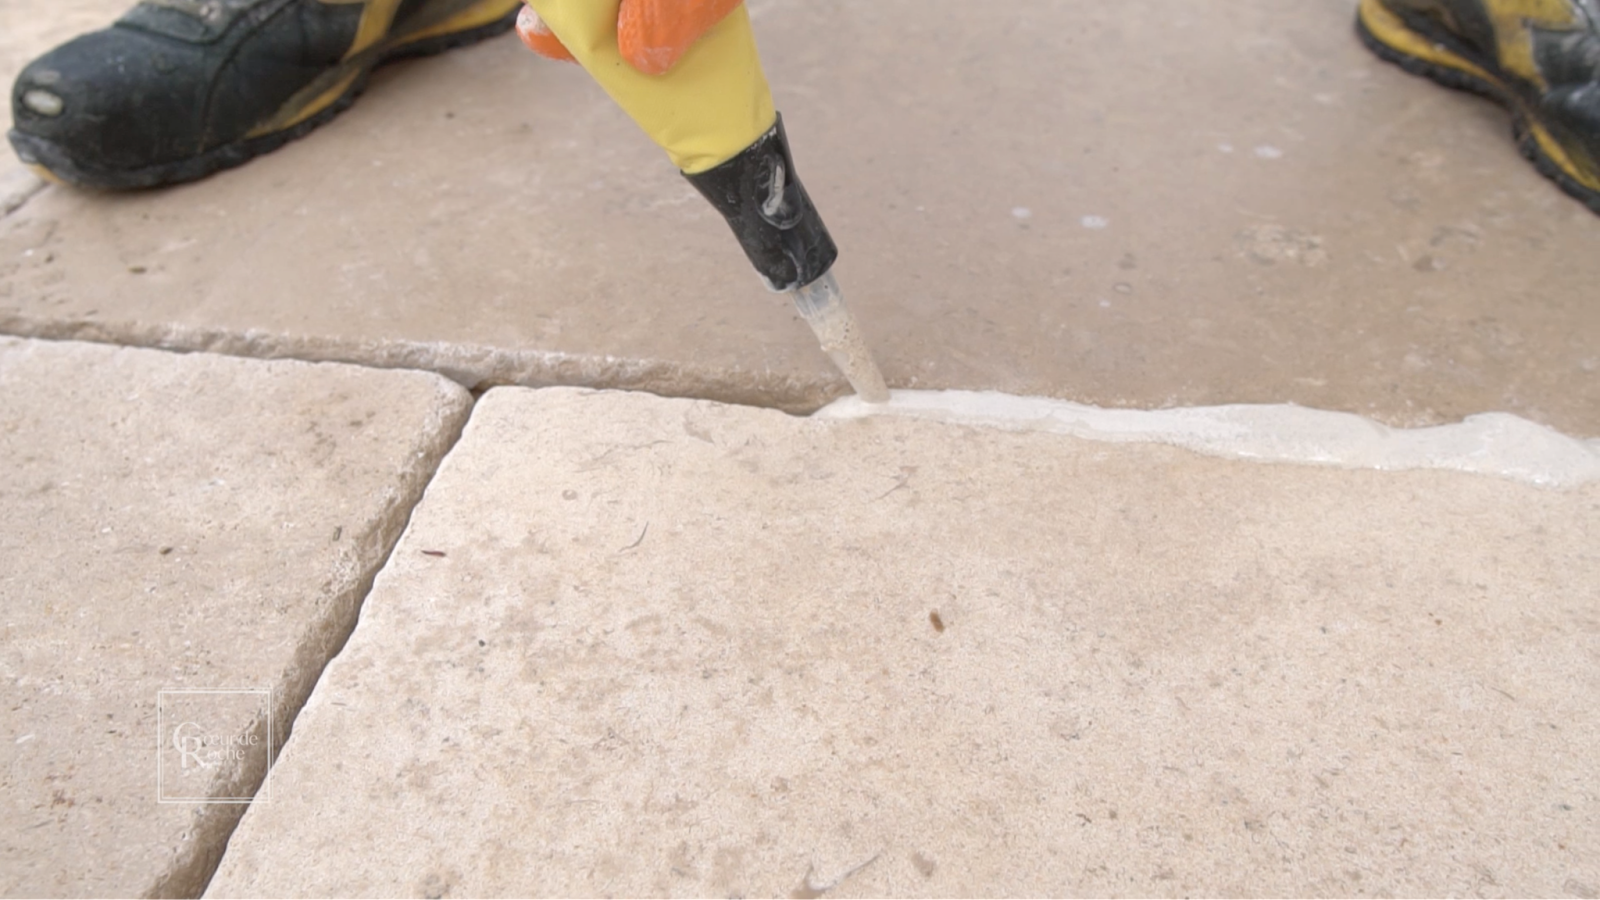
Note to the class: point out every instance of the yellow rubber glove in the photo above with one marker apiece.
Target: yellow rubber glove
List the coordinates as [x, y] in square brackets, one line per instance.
[687, 71]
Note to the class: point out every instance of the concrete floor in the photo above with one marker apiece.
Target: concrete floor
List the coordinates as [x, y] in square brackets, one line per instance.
[635, 644]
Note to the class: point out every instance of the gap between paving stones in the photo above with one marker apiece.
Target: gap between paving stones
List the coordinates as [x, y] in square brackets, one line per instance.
[191, 877]
[290, 699]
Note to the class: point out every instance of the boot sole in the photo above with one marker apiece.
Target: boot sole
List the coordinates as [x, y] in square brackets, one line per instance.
[301, 115]
[1389, 37]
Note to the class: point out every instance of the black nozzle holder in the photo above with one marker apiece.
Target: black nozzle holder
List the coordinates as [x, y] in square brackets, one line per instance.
[761, 196]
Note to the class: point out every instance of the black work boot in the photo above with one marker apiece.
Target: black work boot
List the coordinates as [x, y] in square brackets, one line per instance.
[178, 89]
[1540, 58]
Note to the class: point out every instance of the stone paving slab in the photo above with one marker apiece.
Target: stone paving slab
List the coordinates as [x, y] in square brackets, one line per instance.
[1132, 204]
[178, 522]
[638, 646]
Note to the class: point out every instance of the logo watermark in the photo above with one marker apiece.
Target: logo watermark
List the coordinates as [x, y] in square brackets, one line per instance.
[204, 735]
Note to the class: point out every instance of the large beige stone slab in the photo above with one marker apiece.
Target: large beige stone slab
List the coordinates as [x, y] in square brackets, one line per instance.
[178, 523]
[1131, 204]
[635, 646]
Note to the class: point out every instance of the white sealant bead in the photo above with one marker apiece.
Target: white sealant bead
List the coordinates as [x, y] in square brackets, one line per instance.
[1021, 212]
[1498, 444]
[1267, 151]
[1095, 223]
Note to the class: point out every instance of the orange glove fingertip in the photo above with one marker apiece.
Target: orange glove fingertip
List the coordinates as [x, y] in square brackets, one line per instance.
[653, 35]
[539, 38]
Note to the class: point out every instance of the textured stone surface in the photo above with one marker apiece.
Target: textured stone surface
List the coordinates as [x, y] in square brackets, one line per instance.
[635, 646]
[177, 522]
[1137, 203]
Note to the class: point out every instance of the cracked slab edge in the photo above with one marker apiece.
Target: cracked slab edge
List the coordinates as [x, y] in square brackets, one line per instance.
[474, 366]
[17, 186]
[1498, 444]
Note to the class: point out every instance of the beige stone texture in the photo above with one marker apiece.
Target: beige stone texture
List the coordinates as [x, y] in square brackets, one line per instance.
[642, 646]
[177, 522]
[1131, 204]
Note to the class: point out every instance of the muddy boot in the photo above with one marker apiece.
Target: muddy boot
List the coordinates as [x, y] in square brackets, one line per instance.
[1540, 58]
[178, 89]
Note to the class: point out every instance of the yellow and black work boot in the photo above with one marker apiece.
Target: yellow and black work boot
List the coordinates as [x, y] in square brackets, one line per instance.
[1540, 58]
[178, 89]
